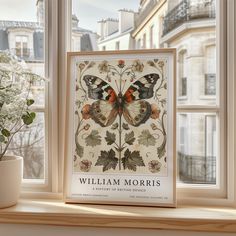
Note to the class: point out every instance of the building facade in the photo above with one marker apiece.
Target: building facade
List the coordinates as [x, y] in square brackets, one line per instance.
[149, 24]
[116, 34]
[190, 27]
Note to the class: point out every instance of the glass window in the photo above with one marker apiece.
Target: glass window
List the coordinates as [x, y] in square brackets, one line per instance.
[138, 46]
[197, 148]
[151, 37]
[210, 75]
[197, 131]
[22, 34]
[144, 41]
[118, 45]
[210, 84]
[182, 75]
[21, 46]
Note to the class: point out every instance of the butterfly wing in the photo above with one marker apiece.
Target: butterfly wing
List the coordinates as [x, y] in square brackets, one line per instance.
[103, 111]
[99, 89]
[136, 110]
[142, 88]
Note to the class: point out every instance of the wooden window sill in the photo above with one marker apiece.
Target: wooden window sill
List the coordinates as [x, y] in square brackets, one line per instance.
[53, 212]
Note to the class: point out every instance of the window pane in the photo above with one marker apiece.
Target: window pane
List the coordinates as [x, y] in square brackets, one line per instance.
[197, 148]
[29, 143]
[22, 34]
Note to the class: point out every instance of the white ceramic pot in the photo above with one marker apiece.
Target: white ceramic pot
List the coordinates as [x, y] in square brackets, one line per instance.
[11, 171]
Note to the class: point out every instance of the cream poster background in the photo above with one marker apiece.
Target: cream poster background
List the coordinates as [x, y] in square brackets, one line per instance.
[143, 148]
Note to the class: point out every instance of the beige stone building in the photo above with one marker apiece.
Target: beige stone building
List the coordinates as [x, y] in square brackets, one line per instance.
[149, 24]
[188, 26]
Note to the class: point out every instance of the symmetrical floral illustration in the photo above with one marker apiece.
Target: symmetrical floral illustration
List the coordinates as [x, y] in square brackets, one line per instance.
[120, 116]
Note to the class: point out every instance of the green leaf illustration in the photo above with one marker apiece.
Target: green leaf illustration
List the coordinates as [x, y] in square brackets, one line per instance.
[93, 139]
[146, 138]
[114, 126]
[110, 138]
[108, 160]
[125, 126]
[131, 160]
[129, 138]
[162, 149]
[79, 150]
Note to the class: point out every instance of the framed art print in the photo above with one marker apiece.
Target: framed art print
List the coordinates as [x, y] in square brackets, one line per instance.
[121, 127]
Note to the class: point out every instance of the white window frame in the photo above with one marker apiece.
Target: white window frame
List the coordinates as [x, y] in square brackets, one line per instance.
[50, 187]
[225, 191]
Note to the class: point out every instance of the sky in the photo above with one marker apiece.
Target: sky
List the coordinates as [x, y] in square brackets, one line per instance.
[87, 11]
[91, 11]
[22, 10]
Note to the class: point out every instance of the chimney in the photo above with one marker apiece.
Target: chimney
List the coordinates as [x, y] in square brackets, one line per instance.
[40, 12]
[111, 26]
[107, 27]
[100, 31]
[126, 20]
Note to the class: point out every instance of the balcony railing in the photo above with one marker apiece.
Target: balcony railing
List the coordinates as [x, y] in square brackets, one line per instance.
[197, 169]
[188, 10]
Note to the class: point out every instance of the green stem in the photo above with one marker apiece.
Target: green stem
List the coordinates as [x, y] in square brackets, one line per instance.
[120, 145]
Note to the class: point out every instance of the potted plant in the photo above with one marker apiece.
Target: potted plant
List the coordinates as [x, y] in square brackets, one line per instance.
[16, 100]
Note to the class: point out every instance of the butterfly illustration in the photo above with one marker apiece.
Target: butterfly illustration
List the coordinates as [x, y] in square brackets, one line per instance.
[132, 104]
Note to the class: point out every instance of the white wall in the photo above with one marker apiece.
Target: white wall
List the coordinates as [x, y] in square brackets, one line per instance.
[39, 230]
[126, 42]
[156, 23]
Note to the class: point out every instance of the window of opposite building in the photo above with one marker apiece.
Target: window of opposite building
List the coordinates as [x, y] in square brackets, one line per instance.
[210, 71]
[118, 45]
[182, 73]
[152, 37]
[21, 46]
[144, 41]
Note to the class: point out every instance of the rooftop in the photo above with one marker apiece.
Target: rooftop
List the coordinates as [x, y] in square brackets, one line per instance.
[18, 24]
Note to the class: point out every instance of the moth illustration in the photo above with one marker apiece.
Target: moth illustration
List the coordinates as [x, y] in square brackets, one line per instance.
[132, 104]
